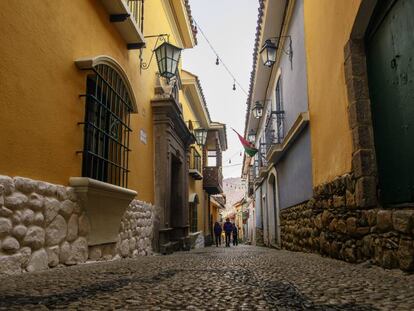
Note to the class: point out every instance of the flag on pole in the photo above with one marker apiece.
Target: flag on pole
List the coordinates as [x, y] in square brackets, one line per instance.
[249, 148]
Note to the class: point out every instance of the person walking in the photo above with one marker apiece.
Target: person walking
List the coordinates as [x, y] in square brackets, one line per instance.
[235, 235]
[217, 233]
[228, 229]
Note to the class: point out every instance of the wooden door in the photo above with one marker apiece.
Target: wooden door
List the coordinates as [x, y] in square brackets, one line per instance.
[390, 62]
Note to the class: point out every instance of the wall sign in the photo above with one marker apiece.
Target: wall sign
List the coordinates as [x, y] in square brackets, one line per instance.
[143, 136]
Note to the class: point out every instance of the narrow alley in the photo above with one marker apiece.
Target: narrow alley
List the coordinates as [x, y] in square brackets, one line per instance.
[140, 136]
[235, 278]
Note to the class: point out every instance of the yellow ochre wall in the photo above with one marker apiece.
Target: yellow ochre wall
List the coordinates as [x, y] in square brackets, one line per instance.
[328, 25]
[195, 186]
[40, 86]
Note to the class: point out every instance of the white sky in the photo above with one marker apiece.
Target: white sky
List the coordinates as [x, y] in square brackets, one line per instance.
[230, 26]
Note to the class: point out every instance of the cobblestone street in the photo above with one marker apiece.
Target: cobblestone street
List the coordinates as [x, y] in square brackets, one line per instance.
[239, 278]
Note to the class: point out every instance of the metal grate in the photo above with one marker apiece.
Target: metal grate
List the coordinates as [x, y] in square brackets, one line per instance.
[106, 127]
[275, 129]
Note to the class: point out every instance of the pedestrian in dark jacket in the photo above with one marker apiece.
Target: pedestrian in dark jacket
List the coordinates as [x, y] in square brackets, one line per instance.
[235, 235]
[228, 229]
[217, 233]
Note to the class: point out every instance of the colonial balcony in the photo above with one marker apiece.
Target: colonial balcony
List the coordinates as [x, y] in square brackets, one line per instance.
[128, 18]
[213, 179]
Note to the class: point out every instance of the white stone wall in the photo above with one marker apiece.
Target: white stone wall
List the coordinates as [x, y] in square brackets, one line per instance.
[43, 226]
[135, 234]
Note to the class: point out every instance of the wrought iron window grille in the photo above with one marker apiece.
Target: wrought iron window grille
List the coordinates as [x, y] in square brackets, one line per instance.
[106, 127]
[274, 128]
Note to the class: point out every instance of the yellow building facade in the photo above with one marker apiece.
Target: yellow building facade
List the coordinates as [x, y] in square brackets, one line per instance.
[83, 118]
[326, 35]
[43, 108]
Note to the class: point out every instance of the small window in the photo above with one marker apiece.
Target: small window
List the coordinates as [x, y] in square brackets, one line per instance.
[107, 127]
[212, 158]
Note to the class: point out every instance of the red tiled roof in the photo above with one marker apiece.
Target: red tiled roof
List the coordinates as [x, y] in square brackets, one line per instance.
[190, 17]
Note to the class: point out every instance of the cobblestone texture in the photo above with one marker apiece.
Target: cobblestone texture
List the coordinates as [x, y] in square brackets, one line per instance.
[239, 278]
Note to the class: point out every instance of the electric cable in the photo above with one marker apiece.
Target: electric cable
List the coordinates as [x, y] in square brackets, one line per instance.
[219, 59]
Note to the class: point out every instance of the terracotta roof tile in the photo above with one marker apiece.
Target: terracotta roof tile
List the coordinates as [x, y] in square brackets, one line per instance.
[255, 55]
[190, 17]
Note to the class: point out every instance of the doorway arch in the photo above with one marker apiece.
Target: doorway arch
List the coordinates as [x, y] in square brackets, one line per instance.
[273, 209]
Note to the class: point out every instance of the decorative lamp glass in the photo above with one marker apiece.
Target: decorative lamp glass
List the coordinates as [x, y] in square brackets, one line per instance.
[201, 136]
[168, 56]
[268, 53]
[257, 110]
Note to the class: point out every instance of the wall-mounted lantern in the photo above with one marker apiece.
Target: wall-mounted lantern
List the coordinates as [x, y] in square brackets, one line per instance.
[167, 55]
[268, 53]
[270, 47]
[201, 136]
[258, 110]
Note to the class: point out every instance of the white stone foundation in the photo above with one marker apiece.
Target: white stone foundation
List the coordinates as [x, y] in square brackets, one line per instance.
[43, 226]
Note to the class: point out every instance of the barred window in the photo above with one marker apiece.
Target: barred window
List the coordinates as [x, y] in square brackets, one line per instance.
[107, 127]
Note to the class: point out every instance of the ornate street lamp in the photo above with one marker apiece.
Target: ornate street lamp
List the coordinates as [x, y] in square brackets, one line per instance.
[257, 110]
[167, 55]
[201, 136]
[268, 53]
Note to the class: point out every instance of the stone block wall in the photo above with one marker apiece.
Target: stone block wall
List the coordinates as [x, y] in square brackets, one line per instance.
[332, 224]
[135, 235]
[43, 226]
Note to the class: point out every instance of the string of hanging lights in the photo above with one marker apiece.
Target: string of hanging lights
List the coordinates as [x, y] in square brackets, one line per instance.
[237, 153]
[219, 60]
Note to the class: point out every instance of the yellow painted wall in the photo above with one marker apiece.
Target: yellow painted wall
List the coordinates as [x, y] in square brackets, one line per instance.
[40, 84]
[328, 24]
[195, 186]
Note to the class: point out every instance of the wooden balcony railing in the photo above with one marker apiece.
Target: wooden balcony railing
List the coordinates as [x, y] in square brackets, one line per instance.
[213, 179]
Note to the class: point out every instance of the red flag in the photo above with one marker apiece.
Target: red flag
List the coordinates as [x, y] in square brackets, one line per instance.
[249, 148]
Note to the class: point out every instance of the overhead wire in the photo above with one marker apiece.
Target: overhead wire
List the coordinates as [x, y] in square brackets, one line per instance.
[238, 164]
[219, 59]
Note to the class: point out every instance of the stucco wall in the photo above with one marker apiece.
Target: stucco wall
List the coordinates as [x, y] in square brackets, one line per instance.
[293, 76]
[326, 36]
[40, 104]
[295, 173]
[295, 168]
[195, 186]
